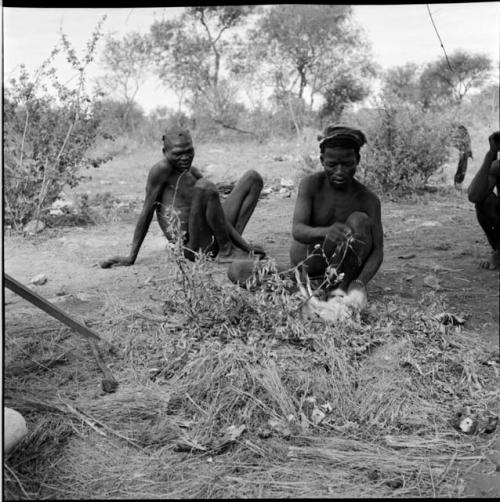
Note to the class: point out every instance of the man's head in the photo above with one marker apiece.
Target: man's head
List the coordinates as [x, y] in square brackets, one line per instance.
[339, 153]
[178, 148]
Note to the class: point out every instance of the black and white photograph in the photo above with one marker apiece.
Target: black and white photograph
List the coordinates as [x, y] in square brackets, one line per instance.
[250, 250]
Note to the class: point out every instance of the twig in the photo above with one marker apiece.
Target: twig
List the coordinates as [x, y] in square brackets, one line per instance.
[196, 405]
[83, 416]
[18, 481]
[84, 419]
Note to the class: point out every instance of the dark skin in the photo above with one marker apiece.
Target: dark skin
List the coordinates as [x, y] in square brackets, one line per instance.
[331, 207]
[481, 193]
[207, 225]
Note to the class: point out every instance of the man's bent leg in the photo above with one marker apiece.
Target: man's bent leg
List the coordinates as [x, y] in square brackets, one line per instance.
[208, 230]
[354, 253]
[241, 202]
[488, 216]
[200, 234]
[309, 257]
[242, 272]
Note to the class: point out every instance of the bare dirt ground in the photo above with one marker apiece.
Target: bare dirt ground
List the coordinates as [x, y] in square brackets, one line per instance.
[432, 251]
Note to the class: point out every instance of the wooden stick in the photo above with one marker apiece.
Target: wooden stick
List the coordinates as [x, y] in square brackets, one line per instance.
[108, 383]
[49, 308]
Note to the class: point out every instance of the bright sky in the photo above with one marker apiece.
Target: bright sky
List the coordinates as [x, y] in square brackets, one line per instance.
[398, 34]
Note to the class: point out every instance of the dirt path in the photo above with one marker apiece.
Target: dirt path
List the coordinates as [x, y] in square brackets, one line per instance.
[435, 241]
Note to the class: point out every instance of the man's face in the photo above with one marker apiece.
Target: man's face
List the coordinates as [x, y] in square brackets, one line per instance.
[180, 154]
[340, 165]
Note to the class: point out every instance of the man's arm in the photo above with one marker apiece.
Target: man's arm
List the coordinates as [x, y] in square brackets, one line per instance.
[302, 231]
[376, 256]
[482, 184]
[154, 186]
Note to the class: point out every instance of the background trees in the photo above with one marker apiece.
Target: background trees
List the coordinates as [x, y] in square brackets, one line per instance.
[127, 64]
[262, 71]
[190, 57]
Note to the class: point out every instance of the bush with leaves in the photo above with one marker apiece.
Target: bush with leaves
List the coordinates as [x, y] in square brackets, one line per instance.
[406, 146]
[48, 128]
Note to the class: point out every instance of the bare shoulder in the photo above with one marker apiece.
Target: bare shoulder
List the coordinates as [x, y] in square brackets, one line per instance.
[366, 195]
[312, 182]
[160, 172]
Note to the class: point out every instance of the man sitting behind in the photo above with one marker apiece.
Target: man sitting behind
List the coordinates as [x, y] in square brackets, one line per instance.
[337, 220]
[206, 224]
[487, 204]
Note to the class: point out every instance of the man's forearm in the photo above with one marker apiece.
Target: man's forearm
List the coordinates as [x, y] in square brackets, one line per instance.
[308, 235]
[140, 232]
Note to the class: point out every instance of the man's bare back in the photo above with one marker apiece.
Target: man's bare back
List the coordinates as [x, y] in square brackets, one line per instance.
[175, 185]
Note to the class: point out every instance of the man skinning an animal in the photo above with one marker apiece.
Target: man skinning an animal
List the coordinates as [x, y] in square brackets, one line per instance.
[337, 220]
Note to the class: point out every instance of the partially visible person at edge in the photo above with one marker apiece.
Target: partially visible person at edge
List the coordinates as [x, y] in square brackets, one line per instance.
[481, 192]
[461, 140]
[337, 220]
[205, 223]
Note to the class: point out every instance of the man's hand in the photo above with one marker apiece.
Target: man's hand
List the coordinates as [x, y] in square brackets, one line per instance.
[116, 261]
[494, 141]
[356, 295]
[338, 232]
[356, 286]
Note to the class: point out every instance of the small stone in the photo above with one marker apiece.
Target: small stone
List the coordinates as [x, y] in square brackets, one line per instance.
[468, 425]
[61, 292]
[39, 279]
[15, 429]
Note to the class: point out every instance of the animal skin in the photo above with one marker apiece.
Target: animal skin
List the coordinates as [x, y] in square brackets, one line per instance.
[339, 307]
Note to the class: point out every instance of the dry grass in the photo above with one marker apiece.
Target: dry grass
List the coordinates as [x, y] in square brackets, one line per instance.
[216, 399]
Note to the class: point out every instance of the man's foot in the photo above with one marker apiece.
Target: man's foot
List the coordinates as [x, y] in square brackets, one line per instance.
[258, 251]
[493, 262]
[235, 255]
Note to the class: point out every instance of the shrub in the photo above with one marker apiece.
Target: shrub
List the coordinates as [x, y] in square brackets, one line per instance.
[48, 128]
[406, 146]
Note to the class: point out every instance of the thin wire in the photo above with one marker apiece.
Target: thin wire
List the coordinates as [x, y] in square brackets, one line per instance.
[440, 41]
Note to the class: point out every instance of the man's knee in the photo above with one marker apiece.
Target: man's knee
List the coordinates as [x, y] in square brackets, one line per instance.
[206, 187]
[359, 222]
[253, 179]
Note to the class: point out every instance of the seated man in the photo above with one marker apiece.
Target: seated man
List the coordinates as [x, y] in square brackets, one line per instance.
[337, 221]
[486, 201]
[206, 223]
